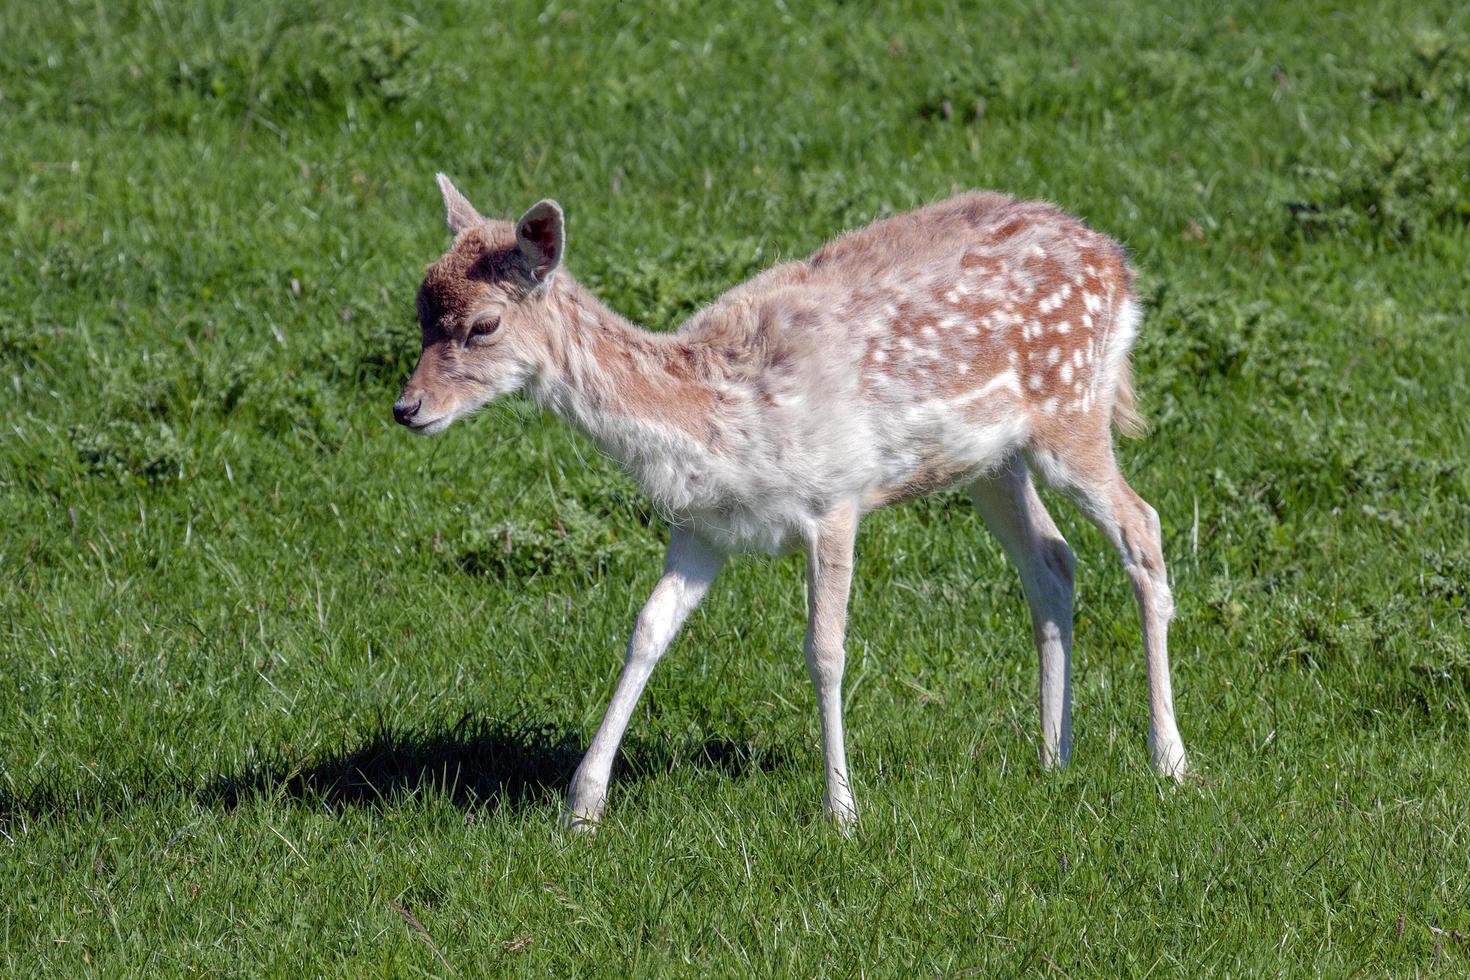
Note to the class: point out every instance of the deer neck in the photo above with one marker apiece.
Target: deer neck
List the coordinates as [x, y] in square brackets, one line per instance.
[636, 394]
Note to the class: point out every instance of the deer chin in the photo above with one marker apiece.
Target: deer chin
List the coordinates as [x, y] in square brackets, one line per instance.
[432, 427]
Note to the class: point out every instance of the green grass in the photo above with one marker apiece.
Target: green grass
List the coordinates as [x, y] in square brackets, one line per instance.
[272, 685]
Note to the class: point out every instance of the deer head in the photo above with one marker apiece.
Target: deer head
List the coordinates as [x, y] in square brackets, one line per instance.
[483, 312]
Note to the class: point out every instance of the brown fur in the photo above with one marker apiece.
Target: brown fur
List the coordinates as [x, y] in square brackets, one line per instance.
[1026, 273]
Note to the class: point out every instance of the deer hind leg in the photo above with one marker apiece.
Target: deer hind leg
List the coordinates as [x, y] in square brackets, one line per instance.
[1009, 505]
[1093, 482]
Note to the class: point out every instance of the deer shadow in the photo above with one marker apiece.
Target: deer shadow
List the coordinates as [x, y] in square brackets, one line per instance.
[476, 764]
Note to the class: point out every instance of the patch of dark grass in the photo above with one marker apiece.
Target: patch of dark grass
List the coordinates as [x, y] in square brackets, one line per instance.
[570, 544]
[1028, 88]
[368, 351]
[23, 343]
[1436, 70]
[1445, 578]
[286, 403]
[123, 448]
[476, 763]
[1434, 691]
[1347, 462]
[1198, 342]
[1196, 339]
[51, 795]
[612, 498]
[137, 418]
[662, 290]
[1391, 191]
[297, 66]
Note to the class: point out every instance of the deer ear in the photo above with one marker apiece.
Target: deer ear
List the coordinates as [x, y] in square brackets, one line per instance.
[460, 213]
[541, 234]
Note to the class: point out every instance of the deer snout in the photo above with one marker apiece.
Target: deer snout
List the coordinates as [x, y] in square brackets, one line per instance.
[406, 408]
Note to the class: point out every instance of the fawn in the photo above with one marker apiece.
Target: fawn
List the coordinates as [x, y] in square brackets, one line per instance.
[971, 343]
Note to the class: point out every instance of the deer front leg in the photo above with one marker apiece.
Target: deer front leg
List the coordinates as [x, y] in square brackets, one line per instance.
[829, 577]
[689, 568]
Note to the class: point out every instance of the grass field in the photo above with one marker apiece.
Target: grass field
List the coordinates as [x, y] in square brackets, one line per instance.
[283, 689]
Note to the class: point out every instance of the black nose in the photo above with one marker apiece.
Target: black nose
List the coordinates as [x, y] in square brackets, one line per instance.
[404, 410]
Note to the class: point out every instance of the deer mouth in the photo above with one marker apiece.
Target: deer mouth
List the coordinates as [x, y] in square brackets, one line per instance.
[428, 427]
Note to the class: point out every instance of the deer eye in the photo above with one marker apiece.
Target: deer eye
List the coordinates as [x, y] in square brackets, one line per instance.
[485, 326]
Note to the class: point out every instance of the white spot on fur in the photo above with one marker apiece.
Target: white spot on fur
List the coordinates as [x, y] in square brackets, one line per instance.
[1006, 379]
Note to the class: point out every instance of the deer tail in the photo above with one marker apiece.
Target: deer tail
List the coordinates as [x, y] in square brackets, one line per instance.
[1128, 420]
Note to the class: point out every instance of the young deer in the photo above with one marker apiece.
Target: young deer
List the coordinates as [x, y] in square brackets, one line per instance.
[969, 343]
